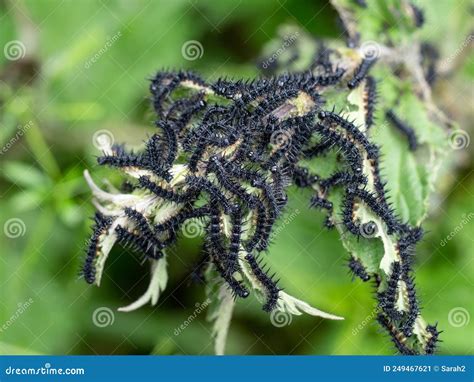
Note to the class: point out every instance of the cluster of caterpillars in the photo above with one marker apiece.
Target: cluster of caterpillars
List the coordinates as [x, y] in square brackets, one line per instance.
[339, 134]
[240, 155]
[241, 144]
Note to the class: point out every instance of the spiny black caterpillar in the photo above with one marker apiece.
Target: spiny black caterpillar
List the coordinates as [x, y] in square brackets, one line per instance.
[101, 225]
[404, 129]
[226, 152]
[370, 100]
[358, 269]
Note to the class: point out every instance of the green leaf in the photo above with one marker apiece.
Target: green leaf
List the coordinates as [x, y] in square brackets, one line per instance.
[220, 311]
[27, 200]
[24, 175]
[158, 281]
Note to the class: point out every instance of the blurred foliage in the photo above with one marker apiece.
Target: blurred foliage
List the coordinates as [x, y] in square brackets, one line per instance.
[58, 99]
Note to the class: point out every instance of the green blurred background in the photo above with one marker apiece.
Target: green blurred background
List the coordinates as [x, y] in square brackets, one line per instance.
[52, 102]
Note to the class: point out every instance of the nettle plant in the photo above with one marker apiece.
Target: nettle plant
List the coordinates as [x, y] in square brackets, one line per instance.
[225, 153]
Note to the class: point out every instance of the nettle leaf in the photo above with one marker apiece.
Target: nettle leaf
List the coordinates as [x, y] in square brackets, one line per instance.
[380, 20]
[220, 310]
[158, 281]
[286, 303]
[25, 175]
[324, 166]
[410, 176]
[407, 181]
[28, 199]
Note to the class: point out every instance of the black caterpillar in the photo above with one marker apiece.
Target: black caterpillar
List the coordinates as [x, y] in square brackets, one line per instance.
[404, 129]
[101, 225]
[397, 337]
[361, 72]
[358, 269]
[370, 100]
